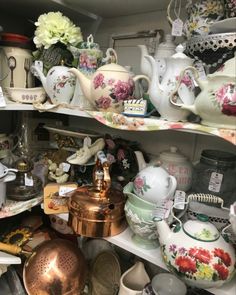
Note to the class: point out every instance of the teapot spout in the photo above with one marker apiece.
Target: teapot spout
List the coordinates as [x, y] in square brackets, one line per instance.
[191, 108]
[140, 159]
[85, 83]
[36, 69]
[145, 66]
[163, 230]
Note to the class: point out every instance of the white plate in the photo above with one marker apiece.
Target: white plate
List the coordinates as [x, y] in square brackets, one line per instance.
[72, 131]
[224, 26]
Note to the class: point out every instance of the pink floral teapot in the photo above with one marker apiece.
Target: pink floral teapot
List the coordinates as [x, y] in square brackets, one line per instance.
[196, 251]
[216, 104]
[108, 87]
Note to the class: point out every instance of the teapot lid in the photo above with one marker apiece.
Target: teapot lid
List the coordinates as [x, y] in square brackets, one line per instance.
[172, 155]
[112, 67]
[201, 229]
[227, 69]
[180, 53]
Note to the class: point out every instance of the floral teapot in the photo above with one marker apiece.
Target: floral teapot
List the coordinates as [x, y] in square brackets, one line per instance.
[196, 251]
[160, 92]
[153, 183]
[216, 104]
[108, 87]
[59, 83]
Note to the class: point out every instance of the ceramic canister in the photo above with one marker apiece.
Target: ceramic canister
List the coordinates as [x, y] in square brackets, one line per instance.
[15, 61]
[179, 166]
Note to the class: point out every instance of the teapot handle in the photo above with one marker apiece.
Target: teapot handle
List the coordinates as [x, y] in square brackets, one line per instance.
[138, 77]
[174, 94]
[207, 198]
[172, 185]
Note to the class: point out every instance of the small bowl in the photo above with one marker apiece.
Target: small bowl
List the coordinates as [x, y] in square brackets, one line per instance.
[25, 95]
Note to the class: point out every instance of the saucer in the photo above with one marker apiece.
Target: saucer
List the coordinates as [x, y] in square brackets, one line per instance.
[223, 26]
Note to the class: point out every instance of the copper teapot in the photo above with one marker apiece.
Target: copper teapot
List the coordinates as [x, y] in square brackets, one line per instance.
[98, 210]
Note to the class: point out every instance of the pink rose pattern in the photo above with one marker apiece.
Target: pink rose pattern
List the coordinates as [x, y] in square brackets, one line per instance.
[119, 90]
[225, 98]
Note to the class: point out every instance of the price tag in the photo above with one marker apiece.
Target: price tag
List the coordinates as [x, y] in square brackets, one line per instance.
[65, 167]
[29, 180]
[179, 199]
[215, 182]
[2, 99]
[201, 71]
[63, 190]
[162, 210]
[177, 27]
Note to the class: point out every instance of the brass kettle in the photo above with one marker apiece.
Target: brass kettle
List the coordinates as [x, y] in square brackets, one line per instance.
[98, 210]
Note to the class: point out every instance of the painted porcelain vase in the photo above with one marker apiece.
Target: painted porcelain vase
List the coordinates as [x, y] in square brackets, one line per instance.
[216, 104]
[197, 252]
[139, 215]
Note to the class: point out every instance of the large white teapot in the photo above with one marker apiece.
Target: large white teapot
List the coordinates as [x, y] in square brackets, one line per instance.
[197, 252]
[161, 91]
[216, 104]
[108, 87]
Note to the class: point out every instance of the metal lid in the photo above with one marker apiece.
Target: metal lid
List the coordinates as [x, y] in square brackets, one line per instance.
[218, 155]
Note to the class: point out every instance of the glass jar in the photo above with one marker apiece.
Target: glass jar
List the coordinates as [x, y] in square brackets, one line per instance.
[215, 174]
[26, 186]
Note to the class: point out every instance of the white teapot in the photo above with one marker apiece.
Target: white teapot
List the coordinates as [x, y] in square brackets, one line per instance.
[59, 83]
[161, 91]
[216, 104]
[196, 251]
[153, 183]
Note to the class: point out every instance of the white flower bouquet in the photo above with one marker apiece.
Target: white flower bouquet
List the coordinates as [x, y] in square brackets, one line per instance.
[54, 27]
[54, 35]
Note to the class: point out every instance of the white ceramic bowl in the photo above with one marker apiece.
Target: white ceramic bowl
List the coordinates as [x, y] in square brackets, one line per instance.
[25, 95]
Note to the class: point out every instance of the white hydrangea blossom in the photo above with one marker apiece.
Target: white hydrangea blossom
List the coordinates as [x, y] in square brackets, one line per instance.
[53, 27]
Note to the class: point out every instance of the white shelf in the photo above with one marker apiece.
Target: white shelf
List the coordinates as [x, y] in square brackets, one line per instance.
[124, 241]
[29, 107]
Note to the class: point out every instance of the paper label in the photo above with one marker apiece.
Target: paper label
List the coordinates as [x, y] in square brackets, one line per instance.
[63, 190]
[29, 180]
[179, 199]
[65, 167]
[215, 182]
[162, 210]
[201, 71]
[177, 27]
[2, 99]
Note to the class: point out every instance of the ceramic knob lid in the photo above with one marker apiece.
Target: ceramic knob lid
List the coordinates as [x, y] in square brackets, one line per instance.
[201, 229]
[172, 155]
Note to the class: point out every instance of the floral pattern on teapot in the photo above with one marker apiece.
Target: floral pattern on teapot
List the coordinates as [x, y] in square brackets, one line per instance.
[197, 263]
[141, 185]
[225, 99]
[119, 90]
[61, 83]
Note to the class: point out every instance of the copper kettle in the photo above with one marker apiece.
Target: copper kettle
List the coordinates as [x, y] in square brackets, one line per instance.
[98, 210]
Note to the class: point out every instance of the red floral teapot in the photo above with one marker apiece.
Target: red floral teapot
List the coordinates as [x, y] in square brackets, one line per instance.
[196, 251]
